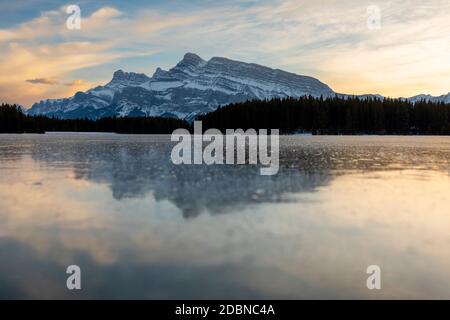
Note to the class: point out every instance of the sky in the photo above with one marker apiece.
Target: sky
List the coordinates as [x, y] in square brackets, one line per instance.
[394, 48]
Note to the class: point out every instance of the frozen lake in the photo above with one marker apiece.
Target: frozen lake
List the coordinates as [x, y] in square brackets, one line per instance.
[140, 227]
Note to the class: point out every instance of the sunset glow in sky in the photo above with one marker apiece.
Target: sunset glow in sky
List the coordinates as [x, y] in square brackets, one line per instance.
[328, 39]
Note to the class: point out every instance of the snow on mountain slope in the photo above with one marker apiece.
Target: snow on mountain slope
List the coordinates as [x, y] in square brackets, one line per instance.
[192, 87]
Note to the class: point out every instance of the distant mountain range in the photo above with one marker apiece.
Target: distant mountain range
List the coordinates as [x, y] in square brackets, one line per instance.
[444, 98]
[194, 86]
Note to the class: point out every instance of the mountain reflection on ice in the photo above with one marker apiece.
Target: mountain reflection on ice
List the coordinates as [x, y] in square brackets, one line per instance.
[117, 207]
[135, 168]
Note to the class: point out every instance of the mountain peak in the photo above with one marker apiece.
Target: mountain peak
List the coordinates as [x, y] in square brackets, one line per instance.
[119, 75]
[159, 73]
[191, 59]
[132, 77]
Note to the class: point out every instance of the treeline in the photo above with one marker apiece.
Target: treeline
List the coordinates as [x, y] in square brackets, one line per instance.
[305, 114]
[334, 116]
[13, 120]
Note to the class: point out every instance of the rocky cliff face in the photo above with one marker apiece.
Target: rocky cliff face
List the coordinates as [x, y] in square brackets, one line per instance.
[192, 87]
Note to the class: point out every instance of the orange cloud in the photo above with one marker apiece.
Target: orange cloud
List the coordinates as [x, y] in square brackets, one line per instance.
[30, 53]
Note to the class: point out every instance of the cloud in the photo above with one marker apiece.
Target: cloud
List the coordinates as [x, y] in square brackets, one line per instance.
[45, 46]
[43, 81]
[327, 39]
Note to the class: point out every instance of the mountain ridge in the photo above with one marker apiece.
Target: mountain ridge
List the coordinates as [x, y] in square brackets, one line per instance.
[193, 86]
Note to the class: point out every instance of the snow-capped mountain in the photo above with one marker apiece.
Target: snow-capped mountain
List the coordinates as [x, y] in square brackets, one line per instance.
[426, 97]
[192, 87]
